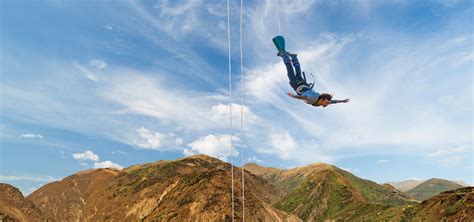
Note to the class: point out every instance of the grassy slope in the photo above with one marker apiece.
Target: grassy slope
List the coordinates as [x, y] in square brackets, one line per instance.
[431, 188]
[336, 194]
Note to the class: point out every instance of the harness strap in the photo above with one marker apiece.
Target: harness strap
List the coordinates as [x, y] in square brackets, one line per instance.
[302, 88]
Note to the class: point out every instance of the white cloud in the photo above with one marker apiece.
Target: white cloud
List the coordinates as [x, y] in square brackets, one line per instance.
[179, 141]
[86, 155]
[221, 113]
[294, 6]
[119, 152]
[36, 178]
[98, 64]
[283, 144]
[31, 136]
[109, 27]
[383, 161]
[212, 145]
[107, 164]
[174, 107]
[254, 159]
[148, 139]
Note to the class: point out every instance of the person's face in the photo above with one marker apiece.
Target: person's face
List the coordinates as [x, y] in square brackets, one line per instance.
[325, 102]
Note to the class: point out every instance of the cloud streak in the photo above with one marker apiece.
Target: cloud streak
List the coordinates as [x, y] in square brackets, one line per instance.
[31, 136]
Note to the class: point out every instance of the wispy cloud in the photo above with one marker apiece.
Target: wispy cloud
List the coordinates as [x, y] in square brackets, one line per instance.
[86, 72]
[98, 64]
[452, 156]
[364, 122]
[31, 136]
[294, 6]
[35, 178]
[383, 161]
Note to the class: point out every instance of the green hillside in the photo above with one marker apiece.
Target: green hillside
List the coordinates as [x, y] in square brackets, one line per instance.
[431, 188]
[321, 191]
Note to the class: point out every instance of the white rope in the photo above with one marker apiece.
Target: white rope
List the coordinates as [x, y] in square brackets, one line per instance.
[242, 113]
[230, 106]
[278, 16]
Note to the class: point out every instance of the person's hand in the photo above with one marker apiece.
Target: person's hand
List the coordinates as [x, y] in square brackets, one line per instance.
[289, 94]
[345, 101]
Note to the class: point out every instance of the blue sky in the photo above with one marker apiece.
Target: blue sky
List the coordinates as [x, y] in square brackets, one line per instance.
[88, 84]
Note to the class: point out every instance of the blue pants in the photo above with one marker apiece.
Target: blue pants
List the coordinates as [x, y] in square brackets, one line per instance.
[296, 79]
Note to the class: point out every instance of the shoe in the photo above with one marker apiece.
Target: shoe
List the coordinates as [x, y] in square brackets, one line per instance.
[292, 55]
[282, 53]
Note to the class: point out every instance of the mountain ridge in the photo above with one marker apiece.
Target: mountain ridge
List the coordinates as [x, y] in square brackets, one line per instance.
[431, 187]
[194, 188]
[198, 188]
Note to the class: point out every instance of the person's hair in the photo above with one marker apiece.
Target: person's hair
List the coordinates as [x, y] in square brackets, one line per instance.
[325, 96]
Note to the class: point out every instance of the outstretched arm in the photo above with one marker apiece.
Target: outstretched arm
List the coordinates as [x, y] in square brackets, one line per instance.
[339, 101]
[296, 96]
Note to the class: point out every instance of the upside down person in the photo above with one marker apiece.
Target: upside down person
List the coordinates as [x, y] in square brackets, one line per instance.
[303, 90]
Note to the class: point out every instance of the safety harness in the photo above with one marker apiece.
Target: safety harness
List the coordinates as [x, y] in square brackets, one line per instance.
[303, 86]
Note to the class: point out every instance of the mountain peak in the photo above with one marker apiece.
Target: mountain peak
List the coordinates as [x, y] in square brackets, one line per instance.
[431, 188]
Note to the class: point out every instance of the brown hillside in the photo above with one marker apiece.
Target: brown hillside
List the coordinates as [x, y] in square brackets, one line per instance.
[74, 197]
[13, 206]
[455, 205]
[196, 188]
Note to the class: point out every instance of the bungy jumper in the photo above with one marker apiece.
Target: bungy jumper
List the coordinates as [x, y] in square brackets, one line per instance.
[303, 89]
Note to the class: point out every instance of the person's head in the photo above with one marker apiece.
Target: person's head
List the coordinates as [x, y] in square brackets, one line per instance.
[324, 99]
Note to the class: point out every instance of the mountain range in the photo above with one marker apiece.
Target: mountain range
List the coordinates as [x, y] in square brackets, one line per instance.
[198, 188]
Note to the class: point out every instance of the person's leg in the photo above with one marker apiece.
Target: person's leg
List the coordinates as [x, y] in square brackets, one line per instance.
[296, 64]
[290, 71]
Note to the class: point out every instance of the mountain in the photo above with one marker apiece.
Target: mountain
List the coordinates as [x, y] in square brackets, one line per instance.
[395, 190]
[14, 207]
[453, 205]
[412, 183]
[431, 187]
[196, 188]
[324, 192]
[406, 185]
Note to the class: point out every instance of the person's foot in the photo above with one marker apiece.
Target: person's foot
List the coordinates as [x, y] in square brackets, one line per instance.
[292, 55]
[282, 53]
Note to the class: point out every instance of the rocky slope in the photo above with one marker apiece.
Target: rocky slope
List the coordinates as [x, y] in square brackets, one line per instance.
[454, 205]
[14, 207]
[196, 188]
[431, 187]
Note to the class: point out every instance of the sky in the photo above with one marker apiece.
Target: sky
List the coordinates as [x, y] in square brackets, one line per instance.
[92, 84]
